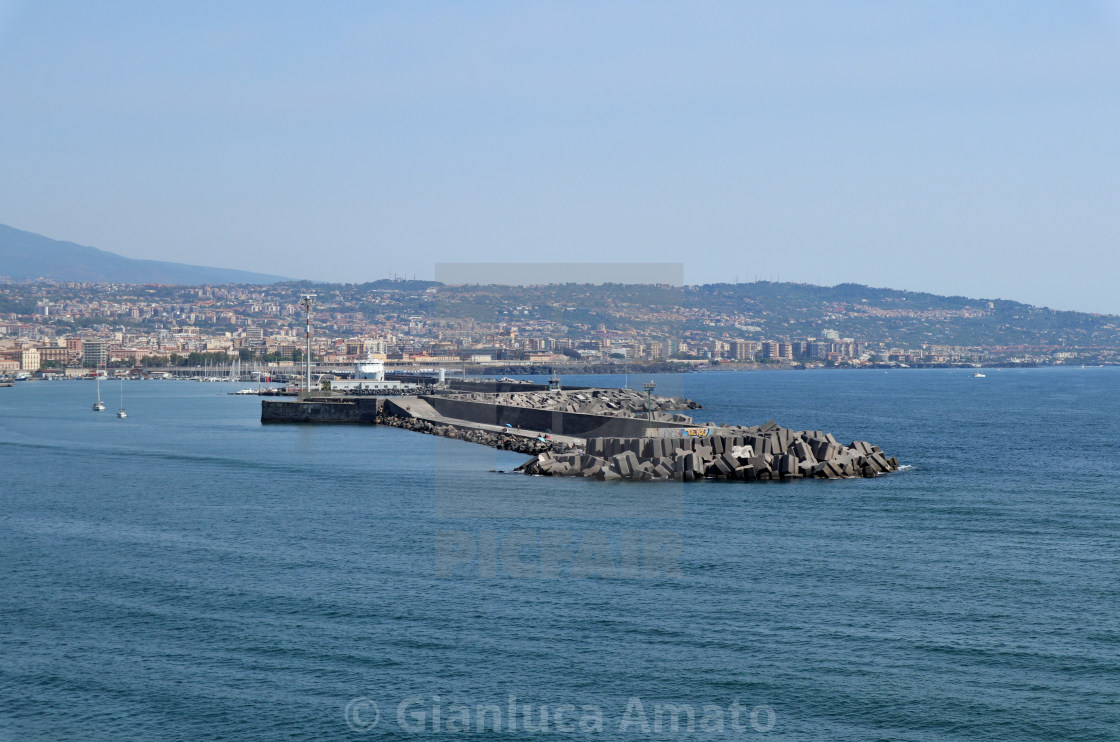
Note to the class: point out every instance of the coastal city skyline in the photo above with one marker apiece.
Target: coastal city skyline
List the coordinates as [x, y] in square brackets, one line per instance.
[72, 327]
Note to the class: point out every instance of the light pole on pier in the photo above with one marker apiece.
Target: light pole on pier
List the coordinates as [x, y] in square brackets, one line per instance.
[306, 301]
[649, 386]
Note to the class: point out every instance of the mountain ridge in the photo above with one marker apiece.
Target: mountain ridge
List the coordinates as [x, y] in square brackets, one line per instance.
[27, 256]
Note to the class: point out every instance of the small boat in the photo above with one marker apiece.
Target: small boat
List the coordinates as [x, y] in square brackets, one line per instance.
[979, 375]
[98, 406]
[121, 412]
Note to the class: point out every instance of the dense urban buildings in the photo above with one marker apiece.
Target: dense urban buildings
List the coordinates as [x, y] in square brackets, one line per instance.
[52, 326]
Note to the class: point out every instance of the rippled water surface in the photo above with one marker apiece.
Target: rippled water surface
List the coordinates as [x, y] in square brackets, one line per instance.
[187, 573]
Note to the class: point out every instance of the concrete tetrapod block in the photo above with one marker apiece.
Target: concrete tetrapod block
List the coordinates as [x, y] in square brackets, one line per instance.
[787, 464]
[715, 468]
[623, 463]
[802, 451]
[879, 463]
[695, 464]
[827, 451]
[760, 464]
[742, 452]
[857, 447]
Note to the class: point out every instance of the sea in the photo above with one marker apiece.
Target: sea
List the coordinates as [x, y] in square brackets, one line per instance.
[187, 573]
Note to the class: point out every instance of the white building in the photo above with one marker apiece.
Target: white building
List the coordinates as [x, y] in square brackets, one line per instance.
[368, 376]
[95, 352]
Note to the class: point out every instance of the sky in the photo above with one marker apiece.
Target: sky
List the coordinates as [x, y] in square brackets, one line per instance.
[957, 147]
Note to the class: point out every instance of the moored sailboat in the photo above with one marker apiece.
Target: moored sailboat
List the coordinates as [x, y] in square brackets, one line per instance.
[98, 406]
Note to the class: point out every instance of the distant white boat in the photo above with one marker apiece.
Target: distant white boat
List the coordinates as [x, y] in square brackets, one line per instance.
[979, 375]
[98, 406]
[121, 412]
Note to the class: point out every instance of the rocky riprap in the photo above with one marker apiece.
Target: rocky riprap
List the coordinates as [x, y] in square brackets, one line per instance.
[503, 441]
[765, 452]
[613, 402]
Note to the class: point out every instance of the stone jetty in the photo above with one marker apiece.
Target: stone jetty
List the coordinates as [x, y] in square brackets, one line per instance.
[510, 441]
[602, 433]
[765, 452]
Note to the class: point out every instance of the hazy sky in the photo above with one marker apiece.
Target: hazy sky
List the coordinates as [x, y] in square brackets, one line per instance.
[956, 147]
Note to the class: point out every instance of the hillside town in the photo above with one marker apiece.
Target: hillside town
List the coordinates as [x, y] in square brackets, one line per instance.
[60, 328]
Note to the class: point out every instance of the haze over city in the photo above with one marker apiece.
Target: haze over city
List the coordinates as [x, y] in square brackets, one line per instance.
[956, 148]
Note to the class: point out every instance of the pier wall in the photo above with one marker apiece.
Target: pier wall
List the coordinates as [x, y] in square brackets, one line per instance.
[347, 411]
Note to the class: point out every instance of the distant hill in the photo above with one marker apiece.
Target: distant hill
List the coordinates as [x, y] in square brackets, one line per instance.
[26, 256]
[767, 310]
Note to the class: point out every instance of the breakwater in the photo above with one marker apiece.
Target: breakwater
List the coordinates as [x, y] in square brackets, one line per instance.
[578, 424]
[503, 441]
[608, 444]
[765, 452]
[612, 402]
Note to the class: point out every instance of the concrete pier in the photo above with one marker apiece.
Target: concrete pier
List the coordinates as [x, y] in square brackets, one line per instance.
[568, 442]
[364, 410]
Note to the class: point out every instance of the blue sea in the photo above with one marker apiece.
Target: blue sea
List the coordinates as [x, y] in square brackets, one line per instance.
[187, 573]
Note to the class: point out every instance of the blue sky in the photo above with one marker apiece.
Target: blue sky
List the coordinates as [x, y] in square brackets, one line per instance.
[954, 147]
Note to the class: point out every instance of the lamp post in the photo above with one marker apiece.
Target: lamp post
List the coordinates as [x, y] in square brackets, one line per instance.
[649, 387]
[306, 301]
